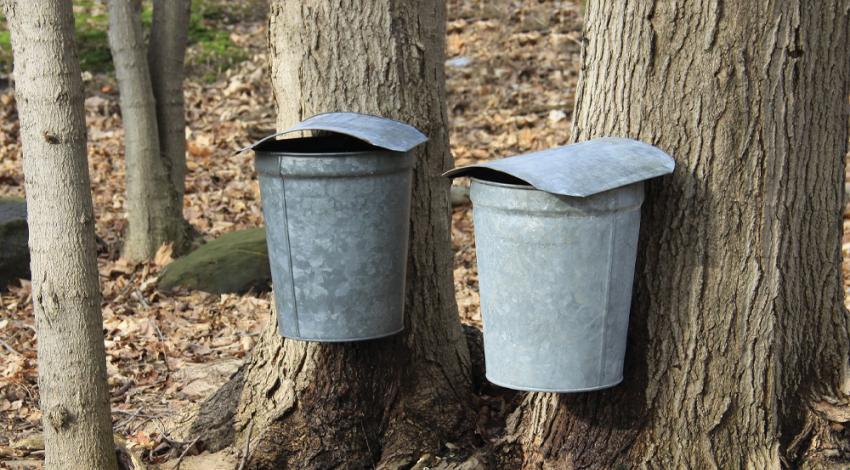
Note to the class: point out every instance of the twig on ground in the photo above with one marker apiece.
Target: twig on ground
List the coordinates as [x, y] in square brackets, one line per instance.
[141, 298]
[244, 459]
[131, 416]
[130, 285]
[158, 331]
[185, 451]
[10, 348]
[135, 414]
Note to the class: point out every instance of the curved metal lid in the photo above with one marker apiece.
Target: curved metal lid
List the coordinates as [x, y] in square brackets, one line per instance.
[581, 169]
[378, 131]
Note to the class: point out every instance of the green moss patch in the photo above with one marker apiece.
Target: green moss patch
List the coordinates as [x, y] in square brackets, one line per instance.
[237, 262]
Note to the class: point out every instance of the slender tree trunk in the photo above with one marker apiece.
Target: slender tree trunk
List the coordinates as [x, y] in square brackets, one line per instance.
[154, 210]
[166, 55]
[373, 403]
[737, 322]
[66, 295]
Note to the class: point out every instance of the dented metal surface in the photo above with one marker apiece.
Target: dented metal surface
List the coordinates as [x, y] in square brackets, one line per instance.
[555, 276]
[337, 225]
[556, 261]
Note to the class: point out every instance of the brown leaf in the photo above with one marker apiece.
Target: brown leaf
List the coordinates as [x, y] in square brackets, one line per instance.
[163, 255]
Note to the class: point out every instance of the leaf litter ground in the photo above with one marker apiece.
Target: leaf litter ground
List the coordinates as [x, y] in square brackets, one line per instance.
[511, 73]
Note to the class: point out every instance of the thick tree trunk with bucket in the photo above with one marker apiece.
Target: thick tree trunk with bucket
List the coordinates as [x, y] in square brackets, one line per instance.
[738, 334]
[73, 393]
[378, 403]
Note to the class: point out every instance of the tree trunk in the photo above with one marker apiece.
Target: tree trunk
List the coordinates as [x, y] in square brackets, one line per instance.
[154, 211]
[166, 54]
[66, 296]
[374, 403]
[737, 321]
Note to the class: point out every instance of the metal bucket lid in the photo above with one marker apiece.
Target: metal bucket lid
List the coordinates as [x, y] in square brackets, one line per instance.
[580, 170]
[378, 131]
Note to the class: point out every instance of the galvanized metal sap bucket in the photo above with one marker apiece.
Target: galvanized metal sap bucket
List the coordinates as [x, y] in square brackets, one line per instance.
[337, 217]
[556, 234]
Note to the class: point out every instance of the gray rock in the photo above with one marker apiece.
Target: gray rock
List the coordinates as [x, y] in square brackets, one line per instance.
[14, 252]
[234, 263]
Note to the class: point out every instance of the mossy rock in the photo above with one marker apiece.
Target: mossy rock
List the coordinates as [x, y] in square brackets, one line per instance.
[14, 252]
[234, 263]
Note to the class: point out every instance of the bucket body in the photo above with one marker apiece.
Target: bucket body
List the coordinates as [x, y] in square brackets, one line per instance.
[555, 275]
[337, 223]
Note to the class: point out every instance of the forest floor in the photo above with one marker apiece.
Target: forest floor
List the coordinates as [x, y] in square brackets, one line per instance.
[511, 73]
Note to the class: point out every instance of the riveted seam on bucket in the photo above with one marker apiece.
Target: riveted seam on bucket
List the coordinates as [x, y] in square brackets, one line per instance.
[603, 343]
[289, 250]
[259, 172]
[270, 169]
[302, 175]
[519, 187]
[364, 164]
[581, 213]
[541, 203]
[374, 152]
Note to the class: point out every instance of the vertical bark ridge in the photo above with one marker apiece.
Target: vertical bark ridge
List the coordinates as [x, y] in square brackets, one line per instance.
[737, 319]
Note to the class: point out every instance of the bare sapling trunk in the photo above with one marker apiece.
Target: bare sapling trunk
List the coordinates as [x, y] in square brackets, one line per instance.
[74, 396]
[738, 332]
[379, 403]
[166, 56]
[154, 211]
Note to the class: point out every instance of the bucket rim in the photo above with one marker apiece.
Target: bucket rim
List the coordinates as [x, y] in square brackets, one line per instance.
[377, 151]
[525, 388]
[524, 187]
[322, 146]
[344, 339]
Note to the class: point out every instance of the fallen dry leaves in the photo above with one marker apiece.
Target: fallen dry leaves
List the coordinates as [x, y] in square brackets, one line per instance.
[155, 343]
[511, 76]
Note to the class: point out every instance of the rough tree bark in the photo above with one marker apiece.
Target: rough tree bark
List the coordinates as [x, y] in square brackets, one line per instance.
[374, 403]
[154, 211]
[72, 385]
[737, 321]
[166, 57]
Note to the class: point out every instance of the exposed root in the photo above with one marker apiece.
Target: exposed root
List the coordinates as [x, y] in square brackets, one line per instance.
[824, 442]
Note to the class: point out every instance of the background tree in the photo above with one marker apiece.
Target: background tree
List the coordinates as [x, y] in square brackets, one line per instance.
[737, 325]
[166, 59]
[65, 292]
[155, 160]
[382, 402]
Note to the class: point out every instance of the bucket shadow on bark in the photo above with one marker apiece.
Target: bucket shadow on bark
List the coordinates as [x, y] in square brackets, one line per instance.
[600, 428]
